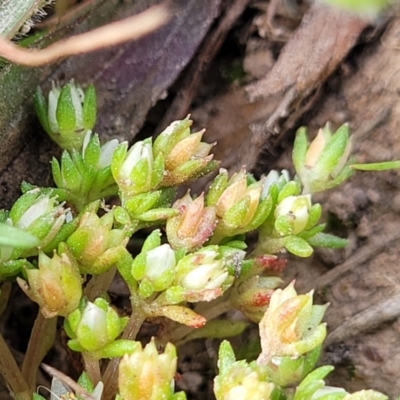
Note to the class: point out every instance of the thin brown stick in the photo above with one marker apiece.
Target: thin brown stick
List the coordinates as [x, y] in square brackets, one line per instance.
[92, 368]
[364, 254]
[366, 320]
[11, 373]
[99, 284]
[67, 381]
[105, 36]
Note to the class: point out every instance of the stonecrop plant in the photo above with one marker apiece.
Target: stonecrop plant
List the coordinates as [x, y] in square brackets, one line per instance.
[63, 245]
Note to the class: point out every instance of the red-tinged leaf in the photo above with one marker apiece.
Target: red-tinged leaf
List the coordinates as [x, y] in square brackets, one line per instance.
[182, 315]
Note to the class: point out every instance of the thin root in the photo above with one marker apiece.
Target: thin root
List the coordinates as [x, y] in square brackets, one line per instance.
[108, 35]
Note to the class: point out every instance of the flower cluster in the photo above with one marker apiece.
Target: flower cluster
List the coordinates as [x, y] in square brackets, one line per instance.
[239, 379]
[238, 203]
[200, 276]
[85, 176]
[64, 245]
[293, 223]
[56, 285]
[148, 375]
[68, 115]
[324, 163]
[93, 328]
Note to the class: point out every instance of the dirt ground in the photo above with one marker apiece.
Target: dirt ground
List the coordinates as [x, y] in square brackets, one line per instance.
[361, 283]
[281, 65]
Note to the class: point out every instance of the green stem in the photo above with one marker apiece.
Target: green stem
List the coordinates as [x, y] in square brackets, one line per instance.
[216, 237]
[12, 374]
[110, 377]
[108, 192]
[92, 368]
[42, 338]
[99, 284]
[268, 245]
[214, 309]
[382, 166]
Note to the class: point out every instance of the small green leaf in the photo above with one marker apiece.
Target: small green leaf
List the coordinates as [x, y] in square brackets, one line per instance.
[314, 214]
[383, 166]
[344, 174]
[140, 175]
[158, 170]
[12, 236]
[3, 215]
[331, 153]
[11, 268]
[190, 171]
[121, 216]
[74, 345]
[152, 241]
[278, 394]
[178, 396]
[85, 382]
[142, 202]
[250, 179]
[217, 188]
[65, 113]
[116, 349]
[118, 158]
[157, 214]
[23, 203]
[72, 177]
[274, 192]
[292, 188]
[92, 152]
[311, 232]
[146, 289]
[41, 109]
[298, 246]
[56, 172]
[311, 359]
[300, 149]
[226, 357]
[218, 328]
[284, 225]
[62, 235]
[89, 108]
[26, 187]
[327, 240]
[139, 266]
[167, 139]
[233, 243]
[36, 396]
[312, 382]
[104, 181]
[263, 211]
[79, 162]
[166, 198]
[236, 214]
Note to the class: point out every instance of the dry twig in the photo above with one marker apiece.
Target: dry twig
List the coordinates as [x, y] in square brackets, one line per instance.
[109, 35]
